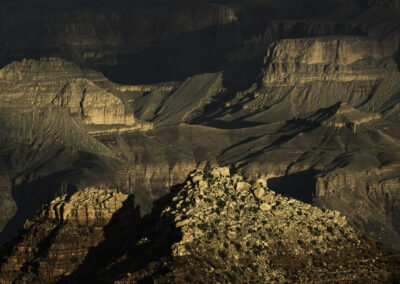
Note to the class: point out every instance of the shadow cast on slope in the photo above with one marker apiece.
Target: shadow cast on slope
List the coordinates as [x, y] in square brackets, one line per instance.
[397, 58]
[29, 197]
[300, 185]
[131, 245]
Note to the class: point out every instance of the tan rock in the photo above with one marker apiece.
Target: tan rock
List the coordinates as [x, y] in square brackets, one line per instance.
[242, 185]
[259, 193]
[182, 223]
[265, 207]
[220, 172]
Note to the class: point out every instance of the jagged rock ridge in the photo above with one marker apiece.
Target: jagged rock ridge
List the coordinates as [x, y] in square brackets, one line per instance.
[56, 241]
[218, 227]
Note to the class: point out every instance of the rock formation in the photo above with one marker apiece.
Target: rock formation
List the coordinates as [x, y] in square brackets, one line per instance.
[58, 239]
[55, 82]
[305, 74]
[109, 34]
[301, 93]
[214, 227]
[260, 236]
[297, 61]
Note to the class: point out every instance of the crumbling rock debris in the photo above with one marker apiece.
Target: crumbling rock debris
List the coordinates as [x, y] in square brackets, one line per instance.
[215, 227]
[258, 235]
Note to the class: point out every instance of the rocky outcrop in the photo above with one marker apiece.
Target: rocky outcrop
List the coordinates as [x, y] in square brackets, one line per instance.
[214, 227]
[303, 75]
[226, 218]
[297, 61]
[87, 207]
[56, 82]
[58, 239]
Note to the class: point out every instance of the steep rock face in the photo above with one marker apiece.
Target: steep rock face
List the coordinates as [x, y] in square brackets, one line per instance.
[369, 198]
[55, 82]
[297, 61]
[58, 239]
[306, 74]
[87, 207]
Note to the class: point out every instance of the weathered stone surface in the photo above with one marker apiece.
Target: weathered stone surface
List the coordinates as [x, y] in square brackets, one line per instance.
[52, 82]
[68, 227]
[204, 230]
[86, 207]
[265, 236]
[259, 192]
[327, 59]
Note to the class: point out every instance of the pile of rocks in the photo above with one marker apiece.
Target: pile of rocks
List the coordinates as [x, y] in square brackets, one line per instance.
[255, 234]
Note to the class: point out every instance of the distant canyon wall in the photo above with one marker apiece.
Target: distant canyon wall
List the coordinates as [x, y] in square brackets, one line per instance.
[100, 36]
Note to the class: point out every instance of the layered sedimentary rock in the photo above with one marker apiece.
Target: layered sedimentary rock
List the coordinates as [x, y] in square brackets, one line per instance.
[55, 82]
[108, 34]
[306, 74]
[58, 239]
[297, 61]
[369, 198]
[343, 115]
[214, 227]
[319, 120]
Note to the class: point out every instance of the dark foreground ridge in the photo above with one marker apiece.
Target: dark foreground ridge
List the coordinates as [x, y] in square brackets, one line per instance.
[215, 227]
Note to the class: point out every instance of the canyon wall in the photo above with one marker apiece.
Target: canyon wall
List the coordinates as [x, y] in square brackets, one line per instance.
[117, 35]
[297, 61]
[52, 82]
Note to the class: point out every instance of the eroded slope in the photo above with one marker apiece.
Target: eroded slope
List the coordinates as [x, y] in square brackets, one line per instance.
[214, 227]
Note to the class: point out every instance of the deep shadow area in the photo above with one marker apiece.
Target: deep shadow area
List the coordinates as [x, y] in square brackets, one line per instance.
[29, 197]
[131, 243]
[147, 42]
[238, 76]
[300, 185]
[177, 58]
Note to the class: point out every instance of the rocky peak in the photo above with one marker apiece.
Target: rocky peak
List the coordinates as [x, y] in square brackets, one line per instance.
[215, 227]
[59, 237]
[255, 233]
[84, 208]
